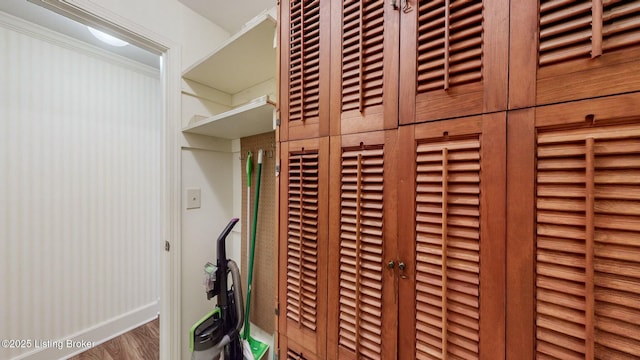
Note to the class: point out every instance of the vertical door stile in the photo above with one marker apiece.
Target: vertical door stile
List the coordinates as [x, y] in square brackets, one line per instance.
[445, 200]
[358, 280]
[589, 250]
[302, 61]
[520, 235]
[447, 17]
[361, 58]
[596, 28]
[407, 196]
[303, 69]
[301, 239]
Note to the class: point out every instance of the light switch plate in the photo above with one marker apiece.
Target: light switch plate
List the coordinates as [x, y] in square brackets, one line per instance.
[193, 198]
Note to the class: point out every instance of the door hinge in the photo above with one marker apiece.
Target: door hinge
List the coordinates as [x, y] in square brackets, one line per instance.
[277, 121]
[167, 246]
[277, 170]
[277, 310]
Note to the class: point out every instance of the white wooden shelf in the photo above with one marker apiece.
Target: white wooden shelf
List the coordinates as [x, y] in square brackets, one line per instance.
[253, 118]
[244, 60]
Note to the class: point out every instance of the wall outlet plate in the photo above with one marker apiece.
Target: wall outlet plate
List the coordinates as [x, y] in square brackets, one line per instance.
[193, 198]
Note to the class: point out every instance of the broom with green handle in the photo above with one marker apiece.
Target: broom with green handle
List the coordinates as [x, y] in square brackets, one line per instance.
[249, 172]
[246, 347]
[257, 348]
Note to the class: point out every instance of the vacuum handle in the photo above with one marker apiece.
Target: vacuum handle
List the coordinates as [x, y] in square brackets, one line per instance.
[222, 251]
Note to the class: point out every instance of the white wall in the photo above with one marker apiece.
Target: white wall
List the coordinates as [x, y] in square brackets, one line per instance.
[170, 19]
[205, 170]
[80, 191]
[195, 37]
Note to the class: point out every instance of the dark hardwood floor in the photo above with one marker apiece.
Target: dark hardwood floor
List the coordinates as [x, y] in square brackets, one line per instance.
[141, 343]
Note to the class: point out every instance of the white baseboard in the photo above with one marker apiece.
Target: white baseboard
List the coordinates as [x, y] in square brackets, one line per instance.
[93, 336]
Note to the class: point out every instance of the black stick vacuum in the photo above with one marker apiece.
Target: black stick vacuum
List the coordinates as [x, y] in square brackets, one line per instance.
[218, 333]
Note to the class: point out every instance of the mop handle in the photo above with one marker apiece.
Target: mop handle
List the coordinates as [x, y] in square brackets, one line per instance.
[249, 169]
[247, 331]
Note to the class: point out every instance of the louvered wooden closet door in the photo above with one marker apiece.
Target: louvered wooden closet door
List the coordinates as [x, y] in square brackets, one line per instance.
[304, 69]
[364, 66]
[303, 243]
[362, 308]
[453, 58]
[452, 239]
[585, 49]
[586, 249]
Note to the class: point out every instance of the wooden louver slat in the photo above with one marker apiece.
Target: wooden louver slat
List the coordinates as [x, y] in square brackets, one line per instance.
[448, 249]
[565, 30]
[587, 244]
[361, 251]
[304, 52]
[449, 44]
[362, 53]
[302, 240]
[588, 28]
[621, 24]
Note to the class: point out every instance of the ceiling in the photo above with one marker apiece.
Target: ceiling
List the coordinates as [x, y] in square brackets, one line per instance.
[230, 14]
[58, 23]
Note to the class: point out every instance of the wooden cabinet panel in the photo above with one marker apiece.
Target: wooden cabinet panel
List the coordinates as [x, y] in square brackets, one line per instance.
[364, 66]
[454, 58]
[587, 214]
[362, 308]
[303, 242]
[572, 50]
[289, 350]
[304, 69]
[452, 239]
